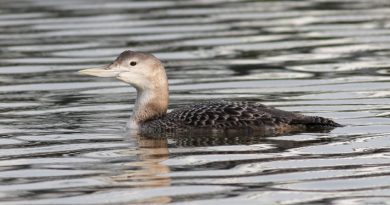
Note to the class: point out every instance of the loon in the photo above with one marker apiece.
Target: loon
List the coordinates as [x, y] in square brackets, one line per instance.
[147, 75]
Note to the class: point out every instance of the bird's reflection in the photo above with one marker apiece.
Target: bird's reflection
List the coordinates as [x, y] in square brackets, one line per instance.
[204, 138]
[150, 171]
[147, 170]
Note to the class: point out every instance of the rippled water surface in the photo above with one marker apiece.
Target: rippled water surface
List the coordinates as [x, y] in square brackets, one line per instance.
[62, 138]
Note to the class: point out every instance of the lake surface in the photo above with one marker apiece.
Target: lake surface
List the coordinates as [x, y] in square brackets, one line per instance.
[62, 139]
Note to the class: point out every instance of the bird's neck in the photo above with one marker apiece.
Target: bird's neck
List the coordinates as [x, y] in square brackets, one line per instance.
[151, 103]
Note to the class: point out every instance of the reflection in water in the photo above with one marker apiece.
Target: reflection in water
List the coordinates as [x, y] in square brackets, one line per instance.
[60, 133]
[148, 172]
[207, 138]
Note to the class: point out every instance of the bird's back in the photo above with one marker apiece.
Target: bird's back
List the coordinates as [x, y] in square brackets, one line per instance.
[223, 115]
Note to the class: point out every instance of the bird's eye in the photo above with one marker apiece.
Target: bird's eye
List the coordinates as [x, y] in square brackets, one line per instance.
[133, 63]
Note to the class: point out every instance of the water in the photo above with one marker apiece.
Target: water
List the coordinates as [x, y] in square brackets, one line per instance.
[62, 138]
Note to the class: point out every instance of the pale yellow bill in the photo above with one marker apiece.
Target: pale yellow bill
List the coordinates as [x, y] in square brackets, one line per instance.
[99, 72]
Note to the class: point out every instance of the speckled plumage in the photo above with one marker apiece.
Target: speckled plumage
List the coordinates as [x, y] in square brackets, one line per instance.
[221, 115]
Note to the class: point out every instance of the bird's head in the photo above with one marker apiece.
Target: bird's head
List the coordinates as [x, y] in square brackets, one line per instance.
[141, 70]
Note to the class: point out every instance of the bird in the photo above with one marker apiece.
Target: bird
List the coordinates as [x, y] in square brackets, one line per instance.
[146, 73]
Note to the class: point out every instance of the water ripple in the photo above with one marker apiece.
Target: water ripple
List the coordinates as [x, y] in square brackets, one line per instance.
[62, 139]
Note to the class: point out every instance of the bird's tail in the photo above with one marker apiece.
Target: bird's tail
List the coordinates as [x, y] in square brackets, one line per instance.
[315, 121]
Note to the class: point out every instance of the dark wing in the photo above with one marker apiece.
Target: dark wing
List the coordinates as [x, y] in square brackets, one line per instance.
[224, 114]
[230, 115]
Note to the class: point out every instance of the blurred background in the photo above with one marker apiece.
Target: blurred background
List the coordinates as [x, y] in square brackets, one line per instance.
[61, 134]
